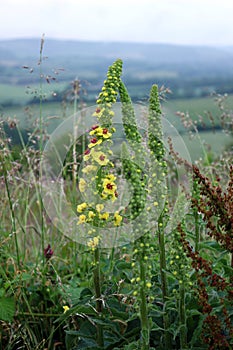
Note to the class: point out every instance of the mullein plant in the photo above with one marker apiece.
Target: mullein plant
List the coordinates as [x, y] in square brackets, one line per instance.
[146, 176]
[134, 169]
[98, 180]
[148, 202]
[157, 191]
[179, 265]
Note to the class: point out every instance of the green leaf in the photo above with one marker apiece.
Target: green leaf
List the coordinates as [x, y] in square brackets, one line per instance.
[122, 265]
[7, 309]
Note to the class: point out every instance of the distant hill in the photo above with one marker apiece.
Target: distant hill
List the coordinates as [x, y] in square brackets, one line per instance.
[188, 70]
[156, 53]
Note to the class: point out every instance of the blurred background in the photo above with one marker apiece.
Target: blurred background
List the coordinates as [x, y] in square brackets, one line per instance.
[56, 49]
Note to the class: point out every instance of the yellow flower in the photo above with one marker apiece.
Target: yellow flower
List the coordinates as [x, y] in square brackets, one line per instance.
[91, 214]
[94, 142]
[101, 132]
[96, 130]
[105, 133]
[99, 207]
[100, 158]
[82, 185]
[104, 216]
[109, 187]
[93, 243]
[87, 154]
[98, 112]
[117, 219]
[82, 219]
[89, 168]
[66, 308]
[81, 207]
[110, 177]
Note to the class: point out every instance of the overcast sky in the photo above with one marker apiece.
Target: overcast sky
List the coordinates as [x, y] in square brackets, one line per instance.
[202, 22]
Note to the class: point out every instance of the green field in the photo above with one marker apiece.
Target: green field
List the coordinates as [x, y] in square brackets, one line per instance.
[195, 107]
[55, 113]
[22, 94]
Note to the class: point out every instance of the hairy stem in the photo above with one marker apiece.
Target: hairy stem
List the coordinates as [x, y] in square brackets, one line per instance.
[182, 316]
[99, 304]
[144, 308]
[166, 320]
[12, 213]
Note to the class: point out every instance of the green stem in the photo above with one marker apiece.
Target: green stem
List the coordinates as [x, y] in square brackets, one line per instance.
[41, 149]
[75, 137]
[182, 316]
[197, 230]
[166, 320]
[196, 216]
[144, 308]
[99, 304]
[12, 213]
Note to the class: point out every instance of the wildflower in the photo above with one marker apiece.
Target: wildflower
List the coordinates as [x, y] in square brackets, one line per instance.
[81, 207]
[82, 185]
[66, 308]
[91, 215]
[87, 154]
[110, 177]
[95, 130]
[104, 216]
[117, 219]
[89, 168]
[93, 243]
[94, 142]
[101, 132]
[82, 219]
[106, 134]
[104, 196]
[48, 252]
[109, 187]
[100, 158]
[99, 207]
[94, 127]
[97, 112]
